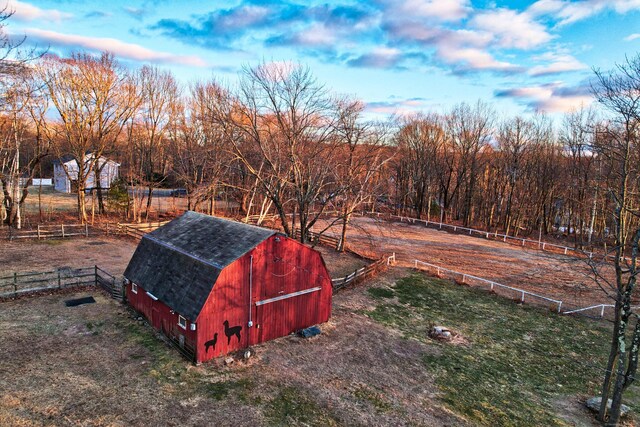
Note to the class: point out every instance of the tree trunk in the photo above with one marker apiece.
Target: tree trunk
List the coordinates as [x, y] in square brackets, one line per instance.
[343, 235]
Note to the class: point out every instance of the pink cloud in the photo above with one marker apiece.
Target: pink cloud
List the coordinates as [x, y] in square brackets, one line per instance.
[27, 12]
[117, 47]
[558, 63]
[550, 98]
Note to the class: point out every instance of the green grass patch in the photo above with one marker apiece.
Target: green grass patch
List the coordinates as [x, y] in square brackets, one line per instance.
[292, 406]
[374, 397]
[519, 360]
[381, 292]
[221, 389]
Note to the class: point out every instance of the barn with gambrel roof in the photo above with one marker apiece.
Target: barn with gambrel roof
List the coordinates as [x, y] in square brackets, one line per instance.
[214, 286]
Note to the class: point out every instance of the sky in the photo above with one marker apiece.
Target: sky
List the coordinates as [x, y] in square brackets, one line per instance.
[398, 56]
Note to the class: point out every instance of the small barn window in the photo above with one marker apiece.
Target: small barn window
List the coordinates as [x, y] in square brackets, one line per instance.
[134, 288]
[182, 322]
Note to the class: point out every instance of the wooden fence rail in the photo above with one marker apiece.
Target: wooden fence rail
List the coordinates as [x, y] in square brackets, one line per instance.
[50, 231]
[341, 282]
[319, 238]
[136, 230]
[16, 284]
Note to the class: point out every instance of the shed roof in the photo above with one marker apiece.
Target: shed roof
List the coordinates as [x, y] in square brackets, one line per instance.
[179, 262]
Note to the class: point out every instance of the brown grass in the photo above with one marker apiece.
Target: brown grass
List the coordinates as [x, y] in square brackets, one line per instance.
[97, 365]
[554, 275]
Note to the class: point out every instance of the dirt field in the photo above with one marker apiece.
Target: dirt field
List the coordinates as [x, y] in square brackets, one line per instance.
[95, 364]
[111, 254]
[553, 275]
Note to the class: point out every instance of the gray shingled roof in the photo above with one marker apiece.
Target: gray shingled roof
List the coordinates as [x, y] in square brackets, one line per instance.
[179, 262]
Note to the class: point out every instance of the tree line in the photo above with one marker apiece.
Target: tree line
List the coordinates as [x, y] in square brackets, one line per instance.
[279, 141]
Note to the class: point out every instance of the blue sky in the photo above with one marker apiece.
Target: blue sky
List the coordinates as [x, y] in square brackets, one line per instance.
[396, 55]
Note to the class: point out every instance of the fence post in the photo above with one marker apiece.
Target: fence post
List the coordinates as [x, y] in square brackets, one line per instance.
[62, 228]
[522, 299]
[560, 307]
[38, 231]
[463, 277]
[15, 284]
[86, 230]
[602, 311]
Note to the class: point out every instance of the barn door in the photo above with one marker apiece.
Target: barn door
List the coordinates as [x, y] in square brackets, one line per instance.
[155, 316]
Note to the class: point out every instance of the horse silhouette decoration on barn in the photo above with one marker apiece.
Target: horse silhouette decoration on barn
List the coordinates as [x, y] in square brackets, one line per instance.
[231, 331]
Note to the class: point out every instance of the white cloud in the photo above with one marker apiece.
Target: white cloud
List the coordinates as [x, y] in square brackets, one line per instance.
[441, 10]
[558, 63]
[117, 47]
[512, 29]
[27, 12]
[568, 12]
[316, 35]
[632, 37]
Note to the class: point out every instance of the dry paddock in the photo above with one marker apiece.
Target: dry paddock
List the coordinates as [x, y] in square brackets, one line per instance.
[97, 365]
[557, 276]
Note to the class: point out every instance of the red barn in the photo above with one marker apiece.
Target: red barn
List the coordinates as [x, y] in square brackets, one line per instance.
[214, 285]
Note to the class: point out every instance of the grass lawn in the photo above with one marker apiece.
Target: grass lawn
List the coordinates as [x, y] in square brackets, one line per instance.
[520, 365]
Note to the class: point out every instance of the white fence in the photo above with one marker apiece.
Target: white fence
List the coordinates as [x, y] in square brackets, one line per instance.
[467, 278]
[598, 310]
[488, 235]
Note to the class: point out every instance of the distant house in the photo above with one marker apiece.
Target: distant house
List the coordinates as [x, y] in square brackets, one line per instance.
[66, 182]
[214, 286]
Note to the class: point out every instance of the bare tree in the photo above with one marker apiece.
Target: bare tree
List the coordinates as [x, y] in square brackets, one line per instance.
[421, 140]
[360, 157]
[281, 112]
[617, 142]
[94, 98]
[470, 130]
[148, 151]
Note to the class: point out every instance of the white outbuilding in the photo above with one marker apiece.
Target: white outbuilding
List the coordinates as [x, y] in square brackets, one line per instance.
[65, 173]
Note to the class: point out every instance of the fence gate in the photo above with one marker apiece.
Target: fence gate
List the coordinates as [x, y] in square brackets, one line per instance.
[109, 283]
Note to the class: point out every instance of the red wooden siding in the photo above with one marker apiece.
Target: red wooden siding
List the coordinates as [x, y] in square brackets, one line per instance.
[161, 317]
[281, 266]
